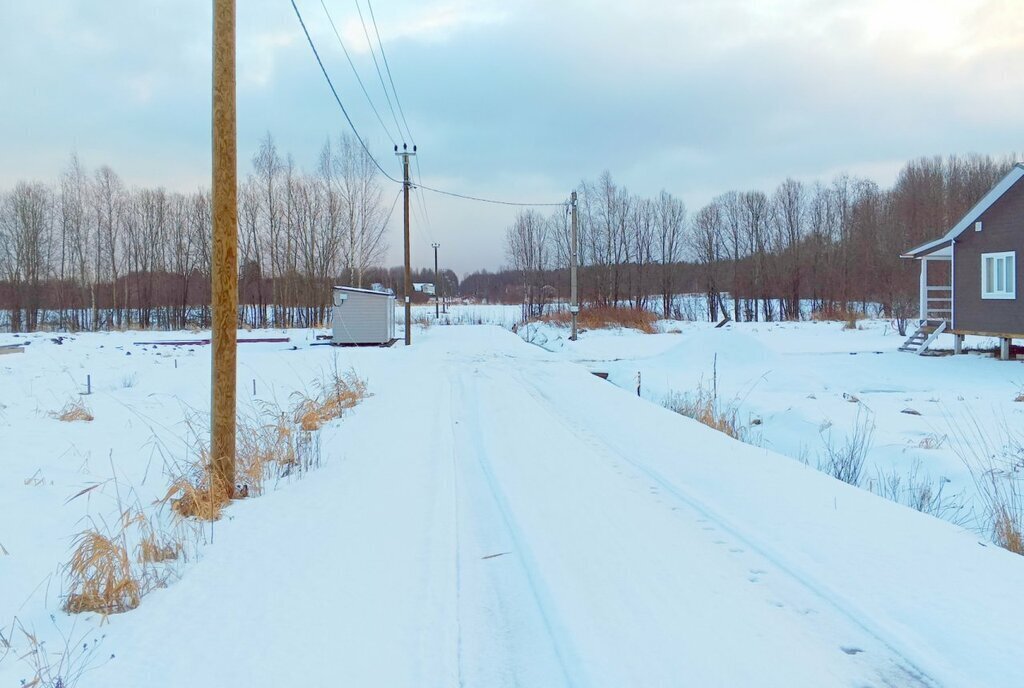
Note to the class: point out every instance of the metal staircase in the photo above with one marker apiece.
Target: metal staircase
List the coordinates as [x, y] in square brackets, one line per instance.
[919, 342]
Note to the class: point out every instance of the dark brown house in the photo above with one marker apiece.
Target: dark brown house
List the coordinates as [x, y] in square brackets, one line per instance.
[969, 277]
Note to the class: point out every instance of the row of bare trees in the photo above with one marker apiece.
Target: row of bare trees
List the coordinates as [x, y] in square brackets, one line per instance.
[89, 252]
[832, 247]
[752, 255]
[622, 239]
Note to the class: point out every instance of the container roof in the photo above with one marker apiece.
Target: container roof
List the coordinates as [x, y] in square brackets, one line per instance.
[363, 291]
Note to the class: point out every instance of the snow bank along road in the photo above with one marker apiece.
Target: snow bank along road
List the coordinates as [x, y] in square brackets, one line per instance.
[495, 517]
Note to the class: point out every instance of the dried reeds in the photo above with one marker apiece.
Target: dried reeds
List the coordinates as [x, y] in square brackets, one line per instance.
[994, 457]
[834, 313]
[1007, 530]
[604, 317]
[263, 450]
[75, 410]
[334, 397]
[704, 407]
[100, 576]
[155, 546]
[199, 492]
[57, 664]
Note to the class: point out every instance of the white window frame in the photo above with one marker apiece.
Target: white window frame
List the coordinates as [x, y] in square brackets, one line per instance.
[1008, 289]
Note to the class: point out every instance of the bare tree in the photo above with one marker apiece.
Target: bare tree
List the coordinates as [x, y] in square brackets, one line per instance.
[671, 222]
[641, 239]
[706, 242]
[789, 220]
[26, 221]
[527, 251]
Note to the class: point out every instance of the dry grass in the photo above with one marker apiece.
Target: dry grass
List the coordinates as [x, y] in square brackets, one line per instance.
[845, 460]
[705, 409]
[849, 317]
[920, 491]
[55, 664]
[262, 450]
[198, 491]
[704, 406]
[75, 410]
[100, 576]
[155, 547]
[995, 460]
[1007, 529]
[258, 447]
[604, 317]
[333, 399]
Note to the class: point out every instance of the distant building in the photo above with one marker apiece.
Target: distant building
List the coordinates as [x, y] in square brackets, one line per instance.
[423, 287]
[974, 287]
[362, 316]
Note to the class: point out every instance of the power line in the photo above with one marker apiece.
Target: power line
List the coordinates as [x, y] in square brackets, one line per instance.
[419, 195]
[392, 211]
[491, 200]
[337, 98]
[380, 76]
[387, 67]
[356, 72]
[380, 44]
[362, 143]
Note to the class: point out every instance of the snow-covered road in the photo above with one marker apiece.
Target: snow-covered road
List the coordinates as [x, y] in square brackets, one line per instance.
[625, 578]
[494, 516]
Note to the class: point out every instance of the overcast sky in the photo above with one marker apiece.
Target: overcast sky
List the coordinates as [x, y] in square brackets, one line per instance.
[522, 99]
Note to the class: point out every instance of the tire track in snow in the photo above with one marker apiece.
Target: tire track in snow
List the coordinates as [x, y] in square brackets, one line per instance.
[471, 445]
[905, 668]
[456, 538]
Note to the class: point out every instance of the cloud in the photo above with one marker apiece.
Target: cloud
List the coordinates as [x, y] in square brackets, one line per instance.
[523, 98]
[427, 23]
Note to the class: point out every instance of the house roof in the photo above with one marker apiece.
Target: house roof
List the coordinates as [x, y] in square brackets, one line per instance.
[981, 206]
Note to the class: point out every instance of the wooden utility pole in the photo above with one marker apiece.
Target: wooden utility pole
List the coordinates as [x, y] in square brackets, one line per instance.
[408, 267]
[437, 285]
[224, 258]
[574, 298]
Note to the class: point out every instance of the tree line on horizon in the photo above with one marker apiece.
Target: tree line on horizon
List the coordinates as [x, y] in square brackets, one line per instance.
[824, 247]
[90, 252]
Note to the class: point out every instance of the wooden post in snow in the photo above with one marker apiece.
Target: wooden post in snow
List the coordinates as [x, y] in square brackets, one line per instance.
[574, 297]
[224, 272]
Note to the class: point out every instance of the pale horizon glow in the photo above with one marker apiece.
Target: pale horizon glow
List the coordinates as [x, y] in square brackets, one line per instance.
[522, 100]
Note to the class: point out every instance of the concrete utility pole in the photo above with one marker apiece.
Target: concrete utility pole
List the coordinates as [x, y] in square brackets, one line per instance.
[437, 285]
[408, 268]
[574, 299]
[224, 257]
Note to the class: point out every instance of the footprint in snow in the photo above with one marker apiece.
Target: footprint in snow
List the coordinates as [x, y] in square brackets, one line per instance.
[851, 650]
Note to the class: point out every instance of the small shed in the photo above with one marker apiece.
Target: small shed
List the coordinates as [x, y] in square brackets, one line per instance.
[363, 316]
[976, 292]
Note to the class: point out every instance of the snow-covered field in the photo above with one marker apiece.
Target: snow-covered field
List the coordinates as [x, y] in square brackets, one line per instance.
[799, 387]
[495, 515]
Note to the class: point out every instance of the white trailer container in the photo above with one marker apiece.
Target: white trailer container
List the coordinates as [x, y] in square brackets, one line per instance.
[363, 316]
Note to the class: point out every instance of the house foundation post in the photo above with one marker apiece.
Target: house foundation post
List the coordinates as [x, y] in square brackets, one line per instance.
[958, 344]
[1004, 349]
